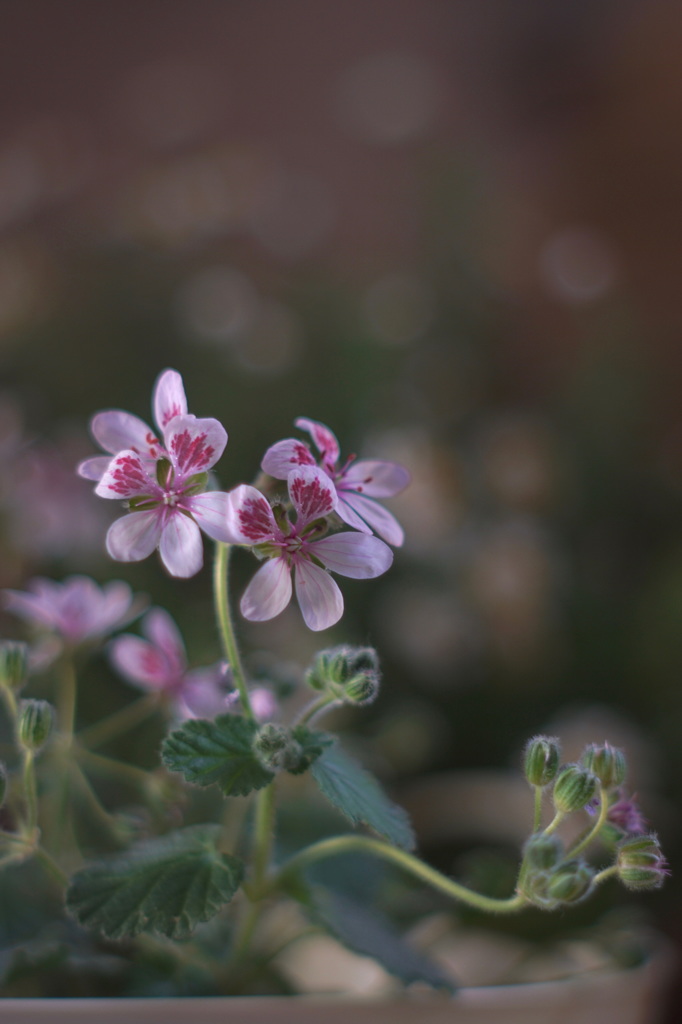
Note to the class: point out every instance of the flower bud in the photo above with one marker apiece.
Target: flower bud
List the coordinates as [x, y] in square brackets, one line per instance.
[606, 762]
[3, 783]
[570, 882]
[13, 664]
[574, 788]
[543, 852]
[349, 674]
[541, 760]
[276, 748]
[34, 724]
[641, 864]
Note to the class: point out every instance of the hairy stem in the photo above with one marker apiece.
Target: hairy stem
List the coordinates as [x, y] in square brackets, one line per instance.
[222, 608]
[593, 832]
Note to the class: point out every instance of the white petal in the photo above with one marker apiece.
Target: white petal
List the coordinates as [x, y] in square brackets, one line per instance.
[194, 445]
[268, 593]
[169, 398]
[281, 458]
[319, 597]
[93, 468]
[211, 511]
[160, 629]
[323, 438]
[141, 663]
[135, 536]
[249, 516]
[312, 493]
[180, 547]
[357, 555]
[374, 478]
[126, 477]
[116, 430]
[352, 505]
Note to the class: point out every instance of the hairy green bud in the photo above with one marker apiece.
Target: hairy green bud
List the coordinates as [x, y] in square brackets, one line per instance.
[543, 852]
[348, 674]
[570, 882]
[607, 763]
[640, 862]
[575, 786]
[541, 759]
[13, 664]
[34, 724]
[276, 748]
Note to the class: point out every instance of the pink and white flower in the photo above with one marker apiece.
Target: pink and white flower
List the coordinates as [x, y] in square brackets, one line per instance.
[116, 431]
[158, 664]
[168, 506]
[77, 609]
[358, 483]
[292, 550]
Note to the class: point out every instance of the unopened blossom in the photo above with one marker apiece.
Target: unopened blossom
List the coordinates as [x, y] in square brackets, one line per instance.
[158, 664]
[297, 552]
[117, 431]
[167, 506]
[358, 482]
[626, 815]
[78, 609]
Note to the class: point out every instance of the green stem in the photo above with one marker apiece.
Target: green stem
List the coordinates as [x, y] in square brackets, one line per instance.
[222, 608]
[314, 708]
[30, 792]
[113, 768]
[52, 868]
[537, 815]
[593, 832]
[555, 822]
[263, 835]
[119, 721]
[344, 844]
[601, 876]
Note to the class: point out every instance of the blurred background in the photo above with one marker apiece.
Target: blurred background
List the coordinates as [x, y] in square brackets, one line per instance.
[451, 231]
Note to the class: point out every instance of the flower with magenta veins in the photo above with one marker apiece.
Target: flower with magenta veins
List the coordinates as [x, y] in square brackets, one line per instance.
[78, 609]
[159, 664]
[298, 549]
[167, 504]
[117, 431]
[358, 483]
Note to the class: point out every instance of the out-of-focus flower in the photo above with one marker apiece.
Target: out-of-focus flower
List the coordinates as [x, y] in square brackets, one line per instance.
[78, 609]
[357, 483]
[159, 664]
[291, 549]
[626, 815]
[117, 431]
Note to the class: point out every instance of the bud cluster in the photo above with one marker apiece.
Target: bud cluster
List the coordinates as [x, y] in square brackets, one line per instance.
[640, 862]
[548, 880]
[277, 749]
[348, 674]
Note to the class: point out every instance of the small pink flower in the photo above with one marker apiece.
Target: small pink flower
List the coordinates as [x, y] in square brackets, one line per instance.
[159, 664]
[292, 550]
[168, 508]
[357, 483]
[117, 431]
[78, 609]
[626, 815]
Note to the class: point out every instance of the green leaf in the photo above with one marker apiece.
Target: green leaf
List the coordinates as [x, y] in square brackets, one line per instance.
[165, 885]
[358, 795]
[313, 744]
[217, 752]
[366, 931]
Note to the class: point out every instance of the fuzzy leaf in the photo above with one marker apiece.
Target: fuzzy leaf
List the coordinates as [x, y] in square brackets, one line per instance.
[218, 751]
[166, 885]
[366, 931]
[313, 745]
[358, 795]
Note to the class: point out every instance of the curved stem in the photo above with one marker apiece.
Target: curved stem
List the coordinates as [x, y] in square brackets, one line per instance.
[222, 608]
[537, 814]
[601, 876]
[119, 721]
[409, 863]
[325, 702]
[555, 822]
[594, 831]
[115, 769]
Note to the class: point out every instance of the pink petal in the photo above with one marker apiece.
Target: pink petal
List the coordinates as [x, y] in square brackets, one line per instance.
[323, 438]
[181, 549]
[312, 493]
[93, 468]
[205, 692]
[117, 431]
[160, 629]
[319, 597]
[268, 593]
[249, 516]
[374, 479]
[281, 458]
[169, 398]
[211, 511]
[135, 536]
[194, 445]
[29, 606]
[352, 505]
[126, 477]
[142, 663]
[357, 555]
[115, 606]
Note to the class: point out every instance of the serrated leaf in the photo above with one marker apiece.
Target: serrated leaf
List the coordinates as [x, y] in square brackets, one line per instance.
[217, 752]
[366, 931]
[358, 795]
[166, 885]
[313, 744]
